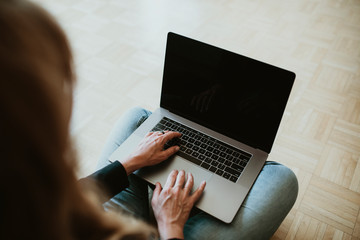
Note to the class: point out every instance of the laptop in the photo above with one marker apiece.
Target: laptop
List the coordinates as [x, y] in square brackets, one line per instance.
[228, 108]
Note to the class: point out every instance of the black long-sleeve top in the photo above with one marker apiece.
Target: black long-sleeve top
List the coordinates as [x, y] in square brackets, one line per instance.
[113, 177]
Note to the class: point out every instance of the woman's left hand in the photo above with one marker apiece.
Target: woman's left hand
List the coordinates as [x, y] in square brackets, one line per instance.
[150, 151]
[173, 203]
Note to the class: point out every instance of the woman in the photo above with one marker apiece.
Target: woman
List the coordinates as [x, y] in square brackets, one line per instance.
[40, 195]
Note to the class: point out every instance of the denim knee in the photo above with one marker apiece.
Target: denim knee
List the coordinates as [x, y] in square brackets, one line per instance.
[139, 111]
[290, 183]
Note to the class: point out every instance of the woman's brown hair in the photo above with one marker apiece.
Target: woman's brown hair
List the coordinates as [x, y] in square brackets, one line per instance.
[40, 197]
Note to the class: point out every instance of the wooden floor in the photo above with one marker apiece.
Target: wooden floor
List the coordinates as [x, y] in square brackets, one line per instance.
[119, 50]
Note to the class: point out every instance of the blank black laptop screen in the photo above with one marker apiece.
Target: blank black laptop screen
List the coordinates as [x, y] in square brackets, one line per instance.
[232, 94]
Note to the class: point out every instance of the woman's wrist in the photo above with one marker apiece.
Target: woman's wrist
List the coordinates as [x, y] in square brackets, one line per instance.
[171, 232]
[130, 164]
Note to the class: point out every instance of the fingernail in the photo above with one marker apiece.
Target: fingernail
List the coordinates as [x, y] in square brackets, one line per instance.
[177, 148]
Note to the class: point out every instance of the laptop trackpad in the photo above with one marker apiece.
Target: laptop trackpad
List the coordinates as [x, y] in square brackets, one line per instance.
[160, 172]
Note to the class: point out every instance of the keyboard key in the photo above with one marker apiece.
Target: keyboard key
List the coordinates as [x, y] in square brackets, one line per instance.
[195, 154]
[247, 154]
[227, 175]
[201, 157]
[232, 171]
[243, 164]
[213, 169]
[219, 172]
[189, 151]
[214, 163]
[237, 167]
[210, 149]
[205, 165]
[227, 163]
[243, 157]
[190, 158]
[208, 160]
[233, 179]
[236, 154]
[221, 166]
[161, 126]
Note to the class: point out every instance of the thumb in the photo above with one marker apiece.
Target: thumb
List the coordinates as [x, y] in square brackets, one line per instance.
[157, 189]
[170, 151]
[196, 195]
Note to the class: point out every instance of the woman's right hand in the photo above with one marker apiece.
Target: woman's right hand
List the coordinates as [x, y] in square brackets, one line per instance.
[150, 151]
[173, 203]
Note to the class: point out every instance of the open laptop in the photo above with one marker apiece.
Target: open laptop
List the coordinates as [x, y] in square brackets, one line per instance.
[228, 108]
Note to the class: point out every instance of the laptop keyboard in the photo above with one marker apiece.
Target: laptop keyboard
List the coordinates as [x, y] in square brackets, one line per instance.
[205, 151]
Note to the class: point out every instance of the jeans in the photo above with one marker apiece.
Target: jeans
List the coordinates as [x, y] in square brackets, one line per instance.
[267, 204]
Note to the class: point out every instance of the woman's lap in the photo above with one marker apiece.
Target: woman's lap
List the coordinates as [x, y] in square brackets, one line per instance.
[267, 204]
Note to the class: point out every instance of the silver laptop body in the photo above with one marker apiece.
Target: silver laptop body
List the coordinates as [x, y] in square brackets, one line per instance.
[224, 193]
